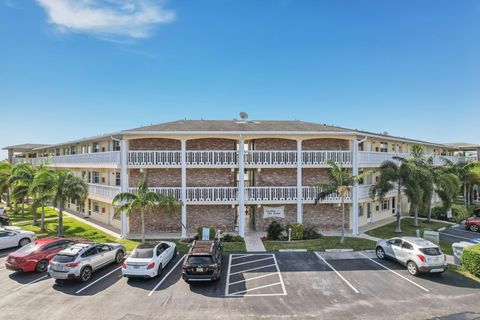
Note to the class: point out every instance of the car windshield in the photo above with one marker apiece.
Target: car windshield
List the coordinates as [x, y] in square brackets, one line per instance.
[200, 260]
[142, 253]
[63, 258]
[29, 248]
[431, 251]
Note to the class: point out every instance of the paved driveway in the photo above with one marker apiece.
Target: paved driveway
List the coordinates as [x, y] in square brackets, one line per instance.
[458, 233]
[269, 286]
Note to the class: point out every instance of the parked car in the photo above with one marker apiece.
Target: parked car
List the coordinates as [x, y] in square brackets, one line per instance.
[417, 254]
[79, 261]
[36, 255]
[203, 261]
[11, 237]
[4, 220]
[473, 224]
[149, 259]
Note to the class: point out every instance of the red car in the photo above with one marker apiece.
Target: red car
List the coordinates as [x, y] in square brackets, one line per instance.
[36, 255]
[473, 224]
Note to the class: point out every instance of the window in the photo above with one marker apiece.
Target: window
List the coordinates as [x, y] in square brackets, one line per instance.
[385, 205]
[383, 147]
[116, 145]
[103, 248]
[395, 242]
[96, 147]
[406, 245]
[360, 210]
[96, 207]
[73, 149]
[90, 252]
[393, 205]
[117, 179]
[95, 177]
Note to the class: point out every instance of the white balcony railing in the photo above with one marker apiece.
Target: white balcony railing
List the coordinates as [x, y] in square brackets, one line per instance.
[212, 157]
[198, 194]
[95, 160]
[270, 157]
[103, 191]
[154, 158]
[264, 194]
[373, 159]
[321, 157]
[310, 194]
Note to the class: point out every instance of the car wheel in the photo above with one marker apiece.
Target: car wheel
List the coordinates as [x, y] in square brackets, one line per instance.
[160, 270]
[119, 257]
[85, 274]
[473, 227]
[412, 268]
[380, 253]
[23, 242]
[42, 266]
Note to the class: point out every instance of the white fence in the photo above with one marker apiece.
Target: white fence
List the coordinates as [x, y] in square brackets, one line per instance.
[103, 191]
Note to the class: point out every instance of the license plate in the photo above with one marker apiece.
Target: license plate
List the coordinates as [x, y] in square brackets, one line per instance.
[58, 268]
[436, 270]
[136, 267]
[12, 260]
[199, 269]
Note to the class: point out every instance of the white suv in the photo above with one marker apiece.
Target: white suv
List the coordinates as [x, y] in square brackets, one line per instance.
[417, 254]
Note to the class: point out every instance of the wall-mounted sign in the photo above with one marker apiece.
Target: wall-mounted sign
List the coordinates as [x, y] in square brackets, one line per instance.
[273, 212]
[205, 233]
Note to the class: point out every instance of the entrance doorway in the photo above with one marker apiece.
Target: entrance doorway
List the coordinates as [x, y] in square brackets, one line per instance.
[369, 213]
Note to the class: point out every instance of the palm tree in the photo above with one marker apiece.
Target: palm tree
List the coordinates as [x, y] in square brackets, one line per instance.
[142, 200]
[392, 177]
[5, 174]
[41, 189]
[20, 180]
[340, 181]
[64, 186]
[172, 205]
[465, 171]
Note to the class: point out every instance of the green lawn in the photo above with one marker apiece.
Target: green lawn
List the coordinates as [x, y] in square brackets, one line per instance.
[446, 247]
[461, 270]
[388, 231]
[75, 228]
[17, 217]
[321, 244]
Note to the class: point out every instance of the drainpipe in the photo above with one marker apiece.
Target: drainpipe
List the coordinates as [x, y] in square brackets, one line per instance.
[355, 200]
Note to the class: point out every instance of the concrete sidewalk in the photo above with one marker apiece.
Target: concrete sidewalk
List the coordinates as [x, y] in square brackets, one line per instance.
[253, 241]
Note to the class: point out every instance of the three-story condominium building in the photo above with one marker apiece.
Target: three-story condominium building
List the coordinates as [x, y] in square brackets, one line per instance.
[234, 175]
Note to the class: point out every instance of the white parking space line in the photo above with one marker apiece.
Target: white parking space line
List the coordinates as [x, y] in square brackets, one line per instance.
[227, 284]
[252, 261]
[455, 236]
[254, 278]
[396, 273]
[280, 275]
[31, 282]
[256, 288]
[242, 256]
[338, 273]
[99, 279]
[252, 269]
[166, 276]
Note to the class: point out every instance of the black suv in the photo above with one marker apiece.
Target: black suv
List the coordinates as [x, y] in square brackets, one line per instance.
[203, 261]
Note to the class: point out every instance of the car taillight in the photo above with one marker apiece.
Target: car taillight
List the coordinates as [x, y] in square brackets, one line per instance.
[73, 264]
[124, 265]
[151, 265]
[422, 258]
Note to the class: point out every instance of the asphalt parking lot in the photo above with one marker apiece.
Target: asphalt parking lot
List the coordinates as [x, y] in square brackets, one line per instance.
[458, 233]
[308, 285]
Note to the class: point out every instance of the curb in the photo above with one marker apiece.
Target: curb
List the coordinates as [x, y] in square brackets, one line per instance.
[292, 250]
[441, 229]
[369, 251]
[338, 250]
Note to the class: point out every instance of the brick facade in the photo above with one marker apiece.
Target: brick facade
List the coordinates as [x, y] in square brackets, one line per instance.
[154, 144]
[276, 177]
[274, 144]
[211, 144]
[221, 217]
[157, 177]
[322, 217]
[310, 176]
[210, 178]
[325, 144]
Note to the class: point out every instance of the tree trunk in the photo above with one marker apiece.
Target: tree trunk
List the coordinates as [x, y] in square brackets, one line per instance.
[342, 239]
[8, 198]
[60, 222]
[42, 221]
[143, 225]
[34, 214]
[429, 213]
[398, 227]
[23, 209]
[415, 218]
[464, 194]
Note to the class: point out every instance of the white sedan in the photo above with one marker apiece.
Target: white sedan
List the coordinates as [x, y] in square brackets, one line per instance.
[15, 237]
[149, 259]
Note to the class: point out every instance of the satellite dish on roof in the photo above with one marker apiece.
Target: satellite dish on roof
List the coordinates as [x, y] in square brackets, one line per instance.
[243, 115]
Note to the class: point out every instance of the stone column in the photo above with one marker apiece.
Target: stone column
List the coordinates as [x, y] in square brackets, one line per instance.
[299, 182]
[124, 183]
[184, 186]
[241, 188]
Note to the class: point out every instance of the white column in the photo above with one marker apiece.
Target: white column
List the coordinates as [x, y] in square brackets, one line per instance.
[355, 188]
[184, 186]
[124, 183]
[241, 188]
[299, 182]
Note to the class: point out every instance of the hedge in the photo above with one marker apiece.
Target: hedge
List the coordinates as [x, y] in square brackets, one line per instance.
[471, 259]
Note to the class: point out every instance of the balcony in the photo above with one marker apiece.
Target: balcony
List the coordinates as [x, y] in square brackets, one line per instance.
[375, 159]
[173, 159]
[199, 195]
[102, 192]
[109, 159]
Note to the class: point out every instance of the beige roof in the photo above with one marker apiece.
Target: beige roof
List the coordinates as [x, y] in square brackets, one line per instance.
[25, 146]
[240, 126]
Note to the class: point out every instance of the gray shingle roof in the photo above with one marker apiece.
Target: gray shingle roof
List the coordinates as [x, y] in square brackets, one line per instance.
[26, 146]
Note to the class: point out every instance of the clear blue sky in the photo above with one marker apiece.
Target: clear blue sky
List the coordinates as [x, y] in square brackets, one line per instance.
[76, 68]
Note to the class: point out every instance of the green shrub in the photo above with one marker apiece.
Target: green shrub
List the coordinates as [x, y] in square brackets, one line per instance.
[439, 212]
[274, 230]
[310, 233]
[232, 238]
[213, 233]
[460, 213]
[297, 231]
[471, 259]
